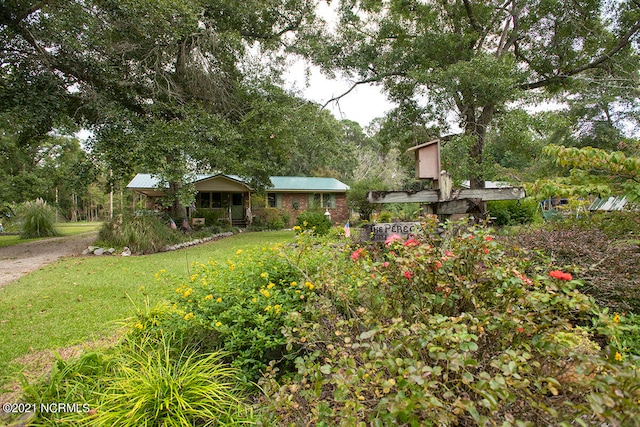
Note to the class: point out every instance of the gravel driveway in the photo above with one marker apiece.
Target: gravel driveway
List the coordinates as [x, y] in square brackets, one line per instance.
[18, 260]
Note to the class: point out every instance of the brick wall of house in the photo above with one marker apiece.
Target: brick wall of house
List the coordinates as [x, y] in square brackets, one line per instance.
[339, 215]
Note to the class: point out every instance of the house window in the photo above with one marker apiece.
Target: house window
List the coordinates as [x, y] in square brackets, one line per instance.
[216, 200]
[204, 200]
[323, 200]
[274, 200]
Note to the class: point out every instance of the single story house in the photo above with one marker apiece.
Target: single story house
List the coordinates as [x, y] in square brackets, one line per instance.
[232, 194]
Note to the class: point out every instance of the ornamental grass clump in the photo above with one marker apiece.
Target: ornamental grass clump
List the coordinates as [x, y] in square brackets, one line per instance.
[143, 234]
[155, 384]
[38, 220]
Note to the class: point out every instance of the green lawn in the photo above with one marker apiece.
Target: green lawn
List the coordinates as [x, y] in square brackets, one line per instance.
[65, 229]
[79, 299]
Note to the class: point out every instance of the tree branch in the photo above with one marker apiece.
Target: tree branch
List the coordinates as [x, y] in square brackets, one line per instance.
[623, 42]
[376, 79]
[472, 18]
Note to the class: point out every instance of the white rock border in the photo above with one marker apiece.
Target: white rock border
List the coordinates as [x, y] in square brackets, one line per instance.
[196, 241]
[95, 250]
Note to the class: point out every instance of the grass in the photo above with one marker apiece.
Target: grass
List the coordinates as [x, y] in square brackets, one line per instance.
[80, 299]
[64, 228]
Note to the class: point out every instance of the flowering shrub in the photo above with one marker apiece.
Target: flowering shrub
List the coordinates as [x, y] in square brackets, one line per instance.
[243, 306]
[448, 330]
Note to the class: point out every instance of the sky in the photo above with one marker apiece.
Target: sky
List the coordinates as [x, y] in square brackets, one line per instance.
[362, 104]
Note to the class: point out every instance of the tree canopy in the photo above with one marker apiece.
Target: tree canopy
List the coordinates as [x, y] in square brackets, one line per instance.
[468, 61]
[166, 86]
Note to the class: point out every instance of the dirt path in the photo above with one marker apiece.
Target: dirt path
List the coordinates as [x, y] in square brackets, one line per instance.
[18, 260]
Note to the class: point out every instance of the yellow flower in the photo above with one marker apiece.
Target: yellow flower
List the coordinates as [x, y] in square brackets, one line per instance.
[209, 297]
[296, 228]
[254, 299]
[188, 316]
[294, 283]
[187, 292]
[218, 299]
[618, 357]
[265, 293]
[264, 275]
[616, 318]
[277, 308]
[309, 285]
[267, 308]
[139, 326]
[239, 251]
[218, 324]
[232, 267]
[270, 285]
[193, 277]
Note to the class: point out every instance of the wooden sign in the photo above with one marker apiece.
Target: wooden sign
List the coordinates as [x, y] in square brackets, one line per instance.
[381, 231]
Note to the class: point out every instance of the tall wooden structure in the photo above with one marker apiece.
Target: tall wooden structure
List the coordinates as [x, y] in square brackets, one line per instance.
[442, 199]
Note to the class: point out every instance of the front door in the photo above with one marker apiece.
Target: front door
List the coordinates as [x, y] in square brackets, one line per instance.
[237, 207]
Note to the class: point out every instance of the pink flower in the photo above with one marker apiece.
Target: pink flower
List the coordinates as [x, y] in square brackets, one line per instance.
[438, 264]
[449, 253]
[392, 239]
[356, 254]
[557, 274]
[411, 242]
[385, 264]
[488, 238]
[407, 274]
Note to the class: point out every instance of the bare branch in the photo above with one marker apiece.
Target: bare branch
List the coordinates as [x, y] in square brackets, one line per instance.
[376, 79]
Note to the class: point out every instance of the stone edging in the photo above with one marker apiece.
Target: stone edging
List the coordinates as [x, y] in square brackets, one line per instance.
[95, 250]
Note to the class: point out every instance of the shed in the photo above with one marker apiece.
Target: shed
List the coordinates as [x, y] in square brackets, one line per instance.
[608, 204]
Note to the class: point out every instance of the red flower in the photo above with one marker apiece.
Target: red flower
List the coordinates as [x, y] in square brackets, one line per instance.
[449, 253]
[488, 238]
[520, 329]
[356, 254]
[557, 274]
[411, 242]
[407, 274]
[438, 264]
[392, 239]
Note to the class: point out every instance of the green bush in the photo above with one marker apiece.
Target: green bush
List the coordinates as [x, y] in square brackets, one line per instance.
[314, 221]
[514, 212]
[38, 220]
[211, 217]
[270, 219]
[143, 234]
[241, 307]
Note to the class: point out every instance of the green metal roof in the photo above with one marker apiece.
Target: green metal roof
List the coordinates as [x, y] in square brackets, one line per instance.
[279, 183]
[305, 183]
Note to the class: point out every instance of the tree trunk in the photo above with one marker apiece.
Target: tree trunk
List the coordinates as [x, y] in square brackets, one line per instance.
[179, 211]
[477, 129]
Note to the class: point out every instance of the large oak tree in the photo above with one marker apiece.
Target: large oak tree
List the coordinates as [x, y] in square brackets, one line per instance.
[167, 86]
[468, 61]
